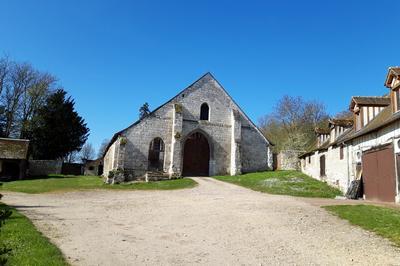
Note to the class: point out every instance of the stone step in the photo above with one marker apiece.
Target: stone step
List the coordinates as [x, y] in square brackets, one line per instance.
[156, 176]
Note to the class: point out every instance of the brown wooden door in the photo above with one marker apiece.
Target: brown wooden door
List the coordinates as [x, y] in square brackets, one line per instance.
[196, 154]
[379, 175]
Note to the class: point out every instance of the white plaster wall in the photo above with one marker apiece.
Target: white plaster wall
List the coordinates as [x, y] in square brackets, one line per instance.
[336, 170]
[337, 173]
[312, 168]
[365, 115]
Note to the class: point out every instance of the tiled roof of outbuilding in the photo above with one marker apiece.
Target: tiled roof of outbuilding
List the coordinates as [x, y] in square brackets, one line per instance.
[322, 131]
[371, 100]
[341, 122]
[13, 148]
[395, 70]
[384, 118]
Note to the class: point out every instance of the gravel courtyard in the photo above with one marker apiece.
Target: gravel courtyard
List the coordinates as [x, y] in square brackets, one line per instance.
[215, 223]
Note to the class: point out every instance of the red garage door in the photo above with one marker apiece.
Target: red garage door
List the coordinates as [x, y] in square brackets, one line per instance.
[379, 174]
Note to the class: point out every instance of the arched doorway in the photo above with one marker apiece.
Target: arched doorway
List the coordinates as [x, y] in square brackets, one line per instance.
[156, 155]
[196, 155]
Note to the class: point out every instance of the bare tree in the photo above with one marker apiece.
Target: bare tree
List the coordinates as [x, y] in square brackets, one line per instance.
[4, 71]
[103, 147]
[72, 157]
[22, 76]
[291, 124]
[33, 98]
[23, 90]
[347, 114]
[87, 152]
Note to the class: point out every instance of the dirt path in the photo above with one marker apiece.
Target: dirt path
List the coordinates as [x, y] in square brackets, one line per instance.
[215, 224]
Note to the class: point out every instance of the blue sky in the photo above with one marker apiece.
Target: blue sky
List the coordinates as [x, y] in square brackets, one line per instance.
[112, 56]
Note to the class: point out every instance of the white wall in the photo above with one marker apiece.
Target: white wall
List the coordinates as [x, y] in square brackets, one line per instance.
[336, 170]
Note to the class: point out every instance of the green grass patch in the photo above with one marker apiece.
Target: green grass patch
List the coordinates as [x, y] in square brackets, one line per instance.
[54, 183]
[293, 183]
[382, 221]
[28, 246]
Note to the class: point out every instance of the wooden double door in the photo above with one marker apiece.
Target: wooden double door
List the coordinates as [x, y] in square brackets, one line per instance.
[196, 156]
[379, 174]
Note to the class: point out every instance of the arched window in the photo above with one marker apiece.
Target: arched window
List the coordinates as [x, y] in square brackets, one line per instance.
[156, 155]
[204, 112]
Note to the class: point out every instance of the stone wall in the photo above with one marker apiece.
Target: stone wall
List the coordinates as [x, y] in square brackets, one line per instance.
[159, 125]
[44, 167]
[289, 160]
[178, 119]
[254, 151]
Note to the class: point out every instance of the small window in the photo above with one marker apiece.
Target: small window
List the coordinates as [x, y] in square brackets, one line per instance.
[309, 159]
[91, 168]
[204, 112]
[341, 153]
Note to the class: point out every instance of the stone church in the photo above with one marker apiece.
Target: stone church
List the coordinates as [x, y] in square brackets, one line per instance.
[199, 132]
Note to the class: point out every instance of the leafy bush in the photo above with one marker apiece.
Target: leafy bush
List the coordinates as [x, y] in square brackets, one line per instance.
[117, 176]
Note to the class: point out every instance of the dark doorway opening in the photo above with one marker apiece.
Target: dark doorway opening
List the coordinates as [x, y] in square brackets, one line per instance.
[156, 155]
[10, 170]
[100, 169]
[196, 160]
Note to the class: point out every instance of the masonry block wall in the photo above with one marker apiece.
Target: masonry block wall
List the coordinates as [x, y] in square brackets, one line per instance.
[176, 120]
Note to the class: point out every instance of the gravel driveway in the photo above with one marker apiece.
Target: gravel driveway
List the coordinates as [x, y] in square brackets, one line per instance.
[215, 223]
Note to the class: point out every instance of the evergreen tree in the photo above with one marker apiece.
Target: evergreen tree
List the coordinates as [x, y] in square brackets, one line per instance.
[144, 111]
[57, 129]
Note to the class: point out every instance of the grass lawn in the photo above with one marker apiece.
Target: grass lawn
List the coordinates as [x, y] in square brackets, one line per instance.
[65, 183]
[29, 247]
[293, 183]
[382, 221]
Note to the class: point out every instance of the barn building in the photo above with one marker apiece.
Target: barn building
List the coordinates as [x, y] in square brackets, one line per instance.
[368, 152]
[199, 132]
[13, 158]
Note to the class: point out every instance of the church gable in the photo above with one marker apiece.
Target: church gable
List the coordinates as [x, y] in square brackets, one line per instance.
[204, 108]
[207, 91]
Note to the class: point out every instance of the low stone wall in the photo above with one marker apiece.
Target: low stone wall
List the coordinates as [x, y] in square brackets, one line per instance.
[289, 160]
[44, 167]
[53, 167]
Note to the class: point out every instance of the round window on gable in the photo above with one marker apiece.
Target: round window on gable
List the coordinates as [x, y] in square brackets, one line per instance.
[204, 112]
